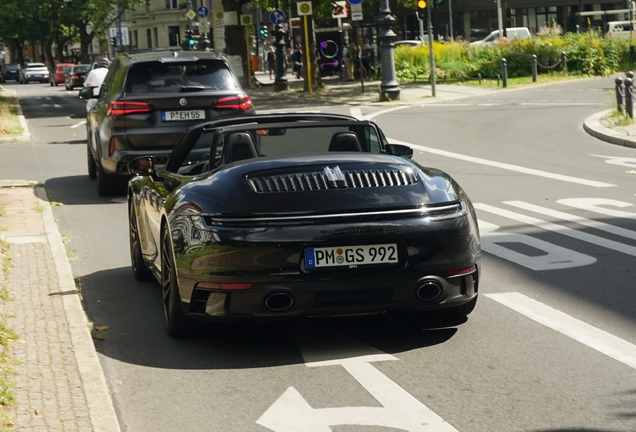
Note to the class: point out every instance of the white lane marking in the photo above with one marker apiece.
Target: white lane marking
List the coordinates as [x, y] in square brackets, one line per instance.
[576, 219]
[291, 412]
[378, 113]
[356, 112]
[558, 104]
[595, 338]
[83, 122]
[554, 257]
[593, 205]
[447, 105]
[560, 229]
[48, 98]
[505, 166]
[615, 160]
[57, 106]
[491, 104]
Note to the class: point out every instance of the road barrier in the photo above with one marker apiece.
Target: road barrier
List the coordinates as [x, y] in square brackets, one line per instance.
[626, 93]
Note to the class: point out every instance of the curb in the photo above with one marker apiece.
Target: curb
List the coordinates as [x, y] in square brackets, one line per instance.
[100, 404]
[26, 135]
[593, 126]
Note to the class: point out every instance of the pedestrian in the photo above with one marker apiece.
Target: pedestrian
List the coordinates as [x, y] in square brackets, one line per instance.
[297, 61]
[94, 79]
[271, 61]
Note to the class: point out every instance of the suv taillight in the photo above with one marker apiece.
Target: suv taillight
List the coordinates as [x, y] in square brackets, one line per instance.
[240, 102]
[118, 108]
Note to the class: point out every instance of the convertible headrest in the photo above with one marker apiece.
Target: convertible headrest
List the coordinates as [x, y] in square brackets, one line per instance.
[239, 146]
[345, 142]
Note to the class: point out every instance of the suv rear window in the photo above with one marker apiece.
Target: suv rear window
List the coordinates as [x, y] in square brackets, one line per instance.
[81, 68]
[174, 77]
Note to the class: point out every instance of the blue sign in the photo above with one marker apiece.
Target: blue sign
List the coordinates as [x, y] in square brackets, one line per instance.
[203, 11]
[354, 1]
[277, 17]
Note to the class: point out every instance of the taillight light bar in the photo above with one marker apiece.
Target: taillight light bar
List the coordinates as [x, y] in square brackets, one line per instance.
[240, 102]
[462, 271]
[119, 108]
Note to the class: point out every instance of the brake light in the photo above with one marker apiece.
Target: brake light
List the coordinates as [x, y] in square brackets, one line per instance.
[240, 102]
[224, 286]
[111, 146]
[118, 108]
[74, 77]
[462, 271]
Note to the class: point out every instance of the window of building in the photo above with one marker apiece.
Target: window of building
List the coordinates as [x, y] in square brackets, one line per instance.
[174, 35]
[149, 37]
[156, 37]
[172, 4]
[546, 16]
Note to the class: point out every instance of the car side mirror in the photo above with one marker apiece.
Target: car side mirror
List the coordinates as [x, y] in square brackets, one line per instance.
[86, 93]
[400, 150]
[142, 166]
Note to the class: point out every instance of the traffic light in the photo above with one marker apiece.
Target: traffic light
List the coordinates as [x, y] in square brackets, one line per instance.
[421, 9]
[189, 39]
[263, 32]
[113, 41]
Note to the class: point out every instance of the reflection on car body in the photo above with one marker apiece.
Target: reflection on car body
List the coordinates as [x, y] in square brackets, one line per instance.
[281, 216]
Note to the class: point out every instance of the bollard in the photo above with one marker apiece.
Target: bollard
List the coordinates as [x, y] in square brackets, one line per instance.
[498, 78]
[632, 55]
[564, 63]
[629, 98]
[619, 94]
[479, 78]
[533, 65]
[504, 73]
[629, 74]
[462, 77]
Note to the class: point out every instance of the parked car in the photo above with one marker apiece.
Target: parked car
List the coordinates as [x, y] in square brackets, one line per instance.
[618, 30]
[411, 43]
[76, 76]
[11, 72]
[59, 76]
[34, 72]
[511, 33]
[294, 215]
[148, 100]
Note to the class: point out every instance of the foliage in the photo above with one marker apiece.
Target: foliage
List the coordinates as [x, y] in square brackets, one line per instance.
[586, 54]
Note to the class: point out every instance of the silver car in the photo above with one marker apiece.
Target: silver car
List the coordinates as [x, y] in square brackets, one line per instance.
[34, 72]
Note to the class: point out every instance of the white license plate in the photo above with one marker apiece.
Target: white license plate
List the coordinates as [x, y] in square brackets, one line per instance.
[351, 256]
[183, 115]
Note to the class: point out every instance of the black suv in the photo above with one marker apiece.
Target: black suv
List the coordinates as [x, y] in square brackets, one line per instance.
[147, 101]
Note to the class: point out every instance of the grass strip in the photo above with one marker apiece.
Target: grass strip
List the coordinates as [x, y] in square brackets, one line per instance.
[9, 120]
[7, 336]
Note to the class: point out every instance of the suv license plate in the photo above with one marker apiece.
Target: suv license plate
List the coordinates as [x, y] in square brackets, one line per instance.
[351, 256]
[182, 115]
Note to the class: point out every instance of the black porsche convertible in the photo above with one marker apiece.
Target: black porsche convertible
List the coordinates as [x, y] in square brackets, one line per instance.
[289, 215]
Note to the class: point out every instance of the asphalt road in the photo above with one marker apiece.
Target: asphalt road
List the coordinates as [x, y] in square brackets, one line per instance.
[551, 345]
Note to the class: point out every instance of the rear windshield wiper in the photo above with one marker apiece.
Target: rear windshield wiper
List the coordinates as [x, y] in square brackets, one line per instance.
[192, 88]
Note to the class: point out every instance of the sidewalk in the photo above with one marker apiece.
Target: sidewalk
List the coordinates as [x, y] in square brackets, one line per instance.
[60, 385]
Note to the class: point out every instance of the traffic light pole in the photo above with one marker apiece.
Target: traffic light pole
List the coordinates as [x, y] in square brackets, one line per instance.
[280, 83]
[430, 50]
[389, 88]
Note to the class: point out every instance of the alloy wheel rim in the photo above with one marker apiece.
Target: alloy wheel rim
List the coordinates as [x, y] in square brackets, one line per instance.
[166, 276]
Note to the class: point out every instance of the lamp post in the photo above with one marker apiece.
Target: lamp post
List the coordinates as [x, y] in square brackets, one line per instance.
[280, 83]
[389, 88]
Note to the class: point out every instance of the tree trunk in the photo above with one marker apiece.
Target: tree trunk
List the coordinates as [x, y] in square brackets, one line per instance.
[316, 80]
[85, 41]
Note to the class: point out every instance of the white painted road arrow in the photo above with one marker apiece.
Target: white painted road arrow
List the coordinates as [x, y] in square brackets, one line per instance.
[400, 410]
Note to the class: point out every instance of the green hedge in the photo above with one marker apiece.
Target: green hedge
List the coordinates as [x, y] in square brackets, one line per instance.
[587, 54]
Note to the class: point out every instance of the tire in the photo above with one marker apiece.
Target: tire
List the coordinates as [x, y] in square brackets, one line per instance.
[106, 183]
[92, 166]
[177, 323]
[139, 268]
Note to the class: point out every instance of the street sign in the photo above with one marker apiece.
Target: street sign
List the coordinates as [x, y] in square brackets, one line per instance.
[203, 11]
[354, 1]
[121, 35]
[304, 8]
[356, 16]
[277, 17]
[246, 20]
[339, 10]
[295, 23]
[204, 27]
[191, 14]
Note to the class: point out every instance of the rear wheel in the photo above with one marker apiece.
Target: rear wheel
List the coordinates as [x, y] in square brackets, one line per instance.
[139, 268]
[177, 323]
[106, 183]
[92, 167]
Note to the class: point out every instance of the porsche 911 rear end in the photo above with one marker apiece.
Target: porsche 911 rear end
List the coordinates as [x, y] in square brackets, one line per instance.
[335, 234]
